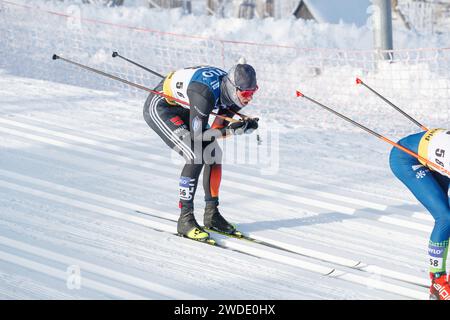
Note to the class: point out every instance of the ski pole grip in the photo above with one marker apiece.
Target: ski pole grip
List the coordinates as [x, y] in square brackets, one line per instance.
[115, 54]
[55, 57]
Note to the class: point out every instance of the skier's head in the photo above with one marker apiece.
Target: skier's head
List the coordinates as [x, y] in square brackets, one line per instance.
[239, 85]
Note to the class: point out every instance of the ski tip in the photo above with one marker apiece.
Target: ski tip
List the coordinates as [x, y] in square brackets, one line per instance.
[54, 57]
[207, 240]
[238, 234]
[299, 94]
[115, 54]
[358, 81]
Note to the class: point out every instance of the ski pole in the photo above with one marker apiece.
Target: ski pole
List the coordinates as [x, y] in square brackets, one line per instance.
[359, 81]
[396, 145]
[116, 54]
[56, 57]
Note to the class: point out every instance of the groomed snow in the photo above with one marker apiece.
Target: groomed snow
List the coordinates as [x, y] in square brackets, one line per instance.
[77, 163]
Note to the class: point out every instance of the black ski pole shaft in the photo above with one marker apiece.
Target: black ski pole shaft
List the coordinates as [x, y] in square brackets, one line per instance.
[299, 94]
[359, 81]
[56, 57]
[396, 145]
[116, 54]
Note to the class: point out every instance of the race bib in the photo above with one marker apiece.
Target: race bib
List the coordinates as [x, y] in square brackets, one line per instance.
[435, 147]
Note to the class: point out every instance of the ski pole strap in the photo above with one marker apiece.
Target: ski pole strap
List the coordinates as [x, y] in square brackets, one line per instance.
[359, 81]
[396, 145]
[56, 57]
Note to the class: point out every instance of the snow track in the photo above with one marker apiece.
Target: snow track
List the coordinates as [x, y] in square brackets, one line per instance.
[71, 194]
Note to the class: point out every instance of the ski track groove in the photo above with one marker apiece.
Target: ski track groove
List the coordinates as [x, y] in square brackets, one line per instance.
[314, 267]
[62, 275]
[249, 268]
[419, 215]
[235, 184]
[109, 138]
[115, 153]
[151, 287]
[19, 287]
[184, 266]
[91, 196]
[78, 193]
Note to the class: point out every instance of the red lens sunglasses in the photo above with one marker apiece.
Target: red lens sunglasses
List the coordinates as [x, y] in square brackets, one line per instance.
[248, 93]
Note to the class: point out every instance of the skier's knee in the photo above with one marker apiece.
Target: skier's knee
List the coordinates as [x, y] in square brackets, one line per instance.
[212, 154]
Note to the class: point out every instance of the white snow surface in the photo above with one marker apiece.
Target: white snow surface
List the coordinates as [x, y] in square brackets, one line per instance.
[77, 164]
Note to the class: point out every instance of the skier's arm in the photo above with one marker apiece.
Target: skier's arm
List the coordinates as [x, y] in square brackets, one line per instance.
[220, 123]
[202, 102]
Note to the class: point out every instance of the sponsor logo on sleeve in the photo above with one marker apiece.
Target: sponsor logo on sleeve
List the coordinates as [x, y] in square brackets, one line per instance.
[215, 84]
[196, 123]
[201, 113]
[176, 121]
[435, 251]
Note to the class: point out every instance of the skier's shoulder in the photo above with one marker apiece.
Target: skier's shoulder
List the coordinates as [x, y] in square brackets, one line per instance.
[208, 75]
[202, 73]
[433, 137]
[432, 133]
[206, 80]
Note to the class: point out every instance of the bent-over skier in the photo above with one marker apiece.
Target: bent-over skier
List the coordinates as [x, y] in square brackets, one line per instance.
[431, 188]
[186, 130]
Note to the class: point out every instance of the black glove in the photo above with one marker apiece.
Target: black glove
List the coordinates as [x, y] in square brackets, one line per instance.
[252, 125]
[244, 126]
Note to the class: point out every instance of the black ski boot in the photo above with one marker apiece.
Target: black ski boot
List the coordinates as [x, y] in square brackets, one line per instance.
[213, 219]
[187, 225]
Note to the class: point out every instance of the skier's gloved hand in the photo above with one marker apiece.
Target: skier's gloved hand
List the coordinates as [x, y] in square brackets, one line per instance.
[252, 125]
[244, 126]
[237, 128]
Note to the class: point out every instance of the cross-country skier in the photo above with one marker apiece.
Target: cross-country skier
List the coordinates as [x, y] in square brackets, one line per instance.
[186, 130]
[431, 188]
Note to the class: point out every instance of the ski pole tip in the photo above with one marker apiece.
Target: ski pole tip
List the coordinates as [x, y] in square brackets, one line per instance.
[115, 54]
[55, 57]
[358, 81]
[299, 94]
